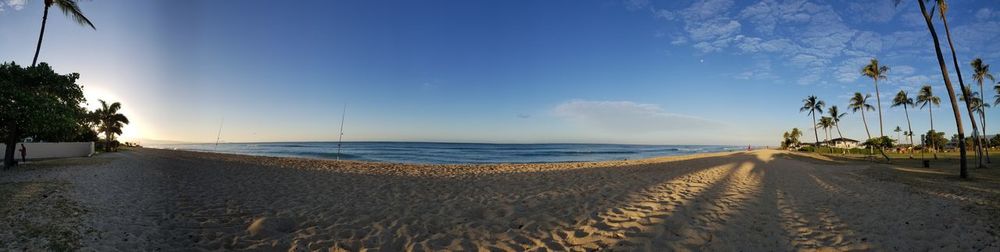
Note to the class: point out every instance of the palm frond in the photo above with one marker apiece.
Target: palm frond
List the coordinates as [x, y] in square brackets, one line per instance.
[70, 8]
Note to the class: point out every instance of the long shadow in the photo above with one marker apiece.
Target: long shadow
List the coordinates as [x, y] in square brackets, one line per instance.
[209, 200]
[219, 199]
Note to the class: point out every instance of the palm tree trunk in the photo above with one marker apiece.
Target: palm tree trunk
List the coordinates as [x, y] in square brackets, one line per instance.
[910, 128]
[961, 83]
[878, 99]
[865, 121]
[107, 141]
[41, 33]
[9, 142]
[986, 141]
[838, 130]
[963, 166]
[815, 132]
[930, 111]
[869, 133]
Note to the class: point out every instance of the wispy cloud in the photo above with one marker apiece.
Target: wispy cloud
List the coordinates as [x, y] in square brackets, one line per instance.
[822, 41]
[11, 4]
[627, 116]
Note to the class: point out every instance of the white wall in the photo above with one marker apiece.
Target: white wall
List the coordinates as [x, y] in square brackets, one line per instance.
[52, 150]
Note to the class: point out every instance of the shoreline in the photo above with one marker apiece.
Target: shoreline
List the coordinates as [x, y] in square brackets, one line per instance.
[415, 156]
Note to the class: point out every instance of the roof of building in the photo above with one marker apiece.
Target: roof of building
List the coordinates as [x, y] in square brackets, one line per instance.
[843, 139]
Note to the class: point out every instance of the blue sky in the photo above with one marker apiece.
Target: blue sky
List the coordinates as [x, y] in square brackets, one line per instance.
[659, 72]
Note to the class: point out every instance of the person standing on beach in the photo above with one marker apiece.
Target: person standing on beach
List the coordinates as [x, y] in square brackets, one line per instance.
[24, 153]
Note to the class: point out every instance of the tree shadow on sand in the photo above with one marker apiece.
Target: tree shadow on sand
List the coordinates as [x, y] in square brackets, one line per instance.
[742, 201]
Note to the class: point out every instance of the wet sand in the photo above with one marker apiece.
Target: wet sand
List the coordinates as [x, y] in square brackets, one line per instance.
[768, 200]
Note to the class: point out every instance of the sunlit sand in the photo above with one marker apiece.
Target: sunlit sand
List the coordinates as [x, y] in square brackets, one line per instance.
[762, 201]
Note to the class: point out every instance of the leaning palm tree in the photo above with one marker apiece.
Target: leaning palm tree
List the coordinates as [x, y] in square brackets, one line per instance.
[942, 11]
[876, 72]
[826, 123]
[978, 107]
[69, 8]
[926, 98]
[964, 169]
[813, 105]
[110, 122]
[860, 103]
[903, 99]
[981, 72]
[973, 102]
[836, 116]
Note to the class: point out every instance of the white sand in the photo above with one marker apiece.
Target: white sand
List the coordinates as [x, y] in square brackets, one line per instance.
[758, 201]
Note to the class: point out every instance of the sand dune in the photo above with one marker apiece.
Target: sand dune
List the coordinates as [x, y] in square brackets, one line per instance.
[762, 200]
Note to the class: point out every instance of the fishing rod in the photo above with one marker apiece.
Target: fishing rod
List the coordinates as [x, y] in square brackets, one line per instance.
[340, 139]
[218, 136]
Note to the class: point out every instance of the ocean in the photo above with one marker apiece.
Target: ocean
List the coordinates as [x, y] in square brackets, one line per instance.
[452, 153]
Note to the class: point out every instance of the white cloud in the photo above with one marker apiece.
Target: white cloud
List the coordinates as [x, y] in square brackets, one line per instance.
[627, 116]
[849, 70]
[712, 29]
[636, 4]
[904, 70]
[11, 4]
[879, 11]
[985, 13]
[867, 41]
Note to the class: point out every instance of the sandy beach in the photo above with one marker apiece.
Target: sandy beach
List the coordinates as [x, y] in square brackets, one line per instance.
[148, 199]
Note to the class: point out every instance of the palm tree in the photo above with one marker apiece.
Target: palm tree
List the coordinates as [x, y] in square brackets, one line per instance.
[942, 11]
[836, 116]
[68, 7]
[964, 169]
[860, 103]
[826, 123]
[876, 72]
[981, 72]
[813, 105]
[926, 98]
[903, 99]
[898, 131]
[974, 103]
[996, 89]
[110, 121]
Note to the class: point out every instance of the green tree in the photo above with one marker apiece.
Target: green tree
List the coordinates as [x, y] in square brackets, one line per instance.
[980, 73]
[879, 142]
[110, 122]
[942, 11]
[69, 8]
[903, 99]
[836, 116]
[964, 169]
[876, 72]
[860, 103]
[36, 101]
[935, 139]
[976, 105]
[791, 138]
[926, 98]
[813, 105]
[996, 90]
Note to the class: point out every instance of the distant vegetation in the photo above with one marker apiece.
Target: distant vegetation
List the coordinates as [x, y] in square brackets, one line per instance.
[975, 103]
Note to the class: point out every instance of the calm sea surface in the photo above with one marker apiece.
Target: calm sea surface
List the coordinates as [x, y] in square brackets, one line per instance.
[452, 153]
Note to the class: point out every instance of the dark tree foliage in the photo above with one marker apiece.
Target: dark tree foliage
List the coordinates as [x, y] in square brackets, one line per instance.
[37, 101]
[935, 139]
[879, 142]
